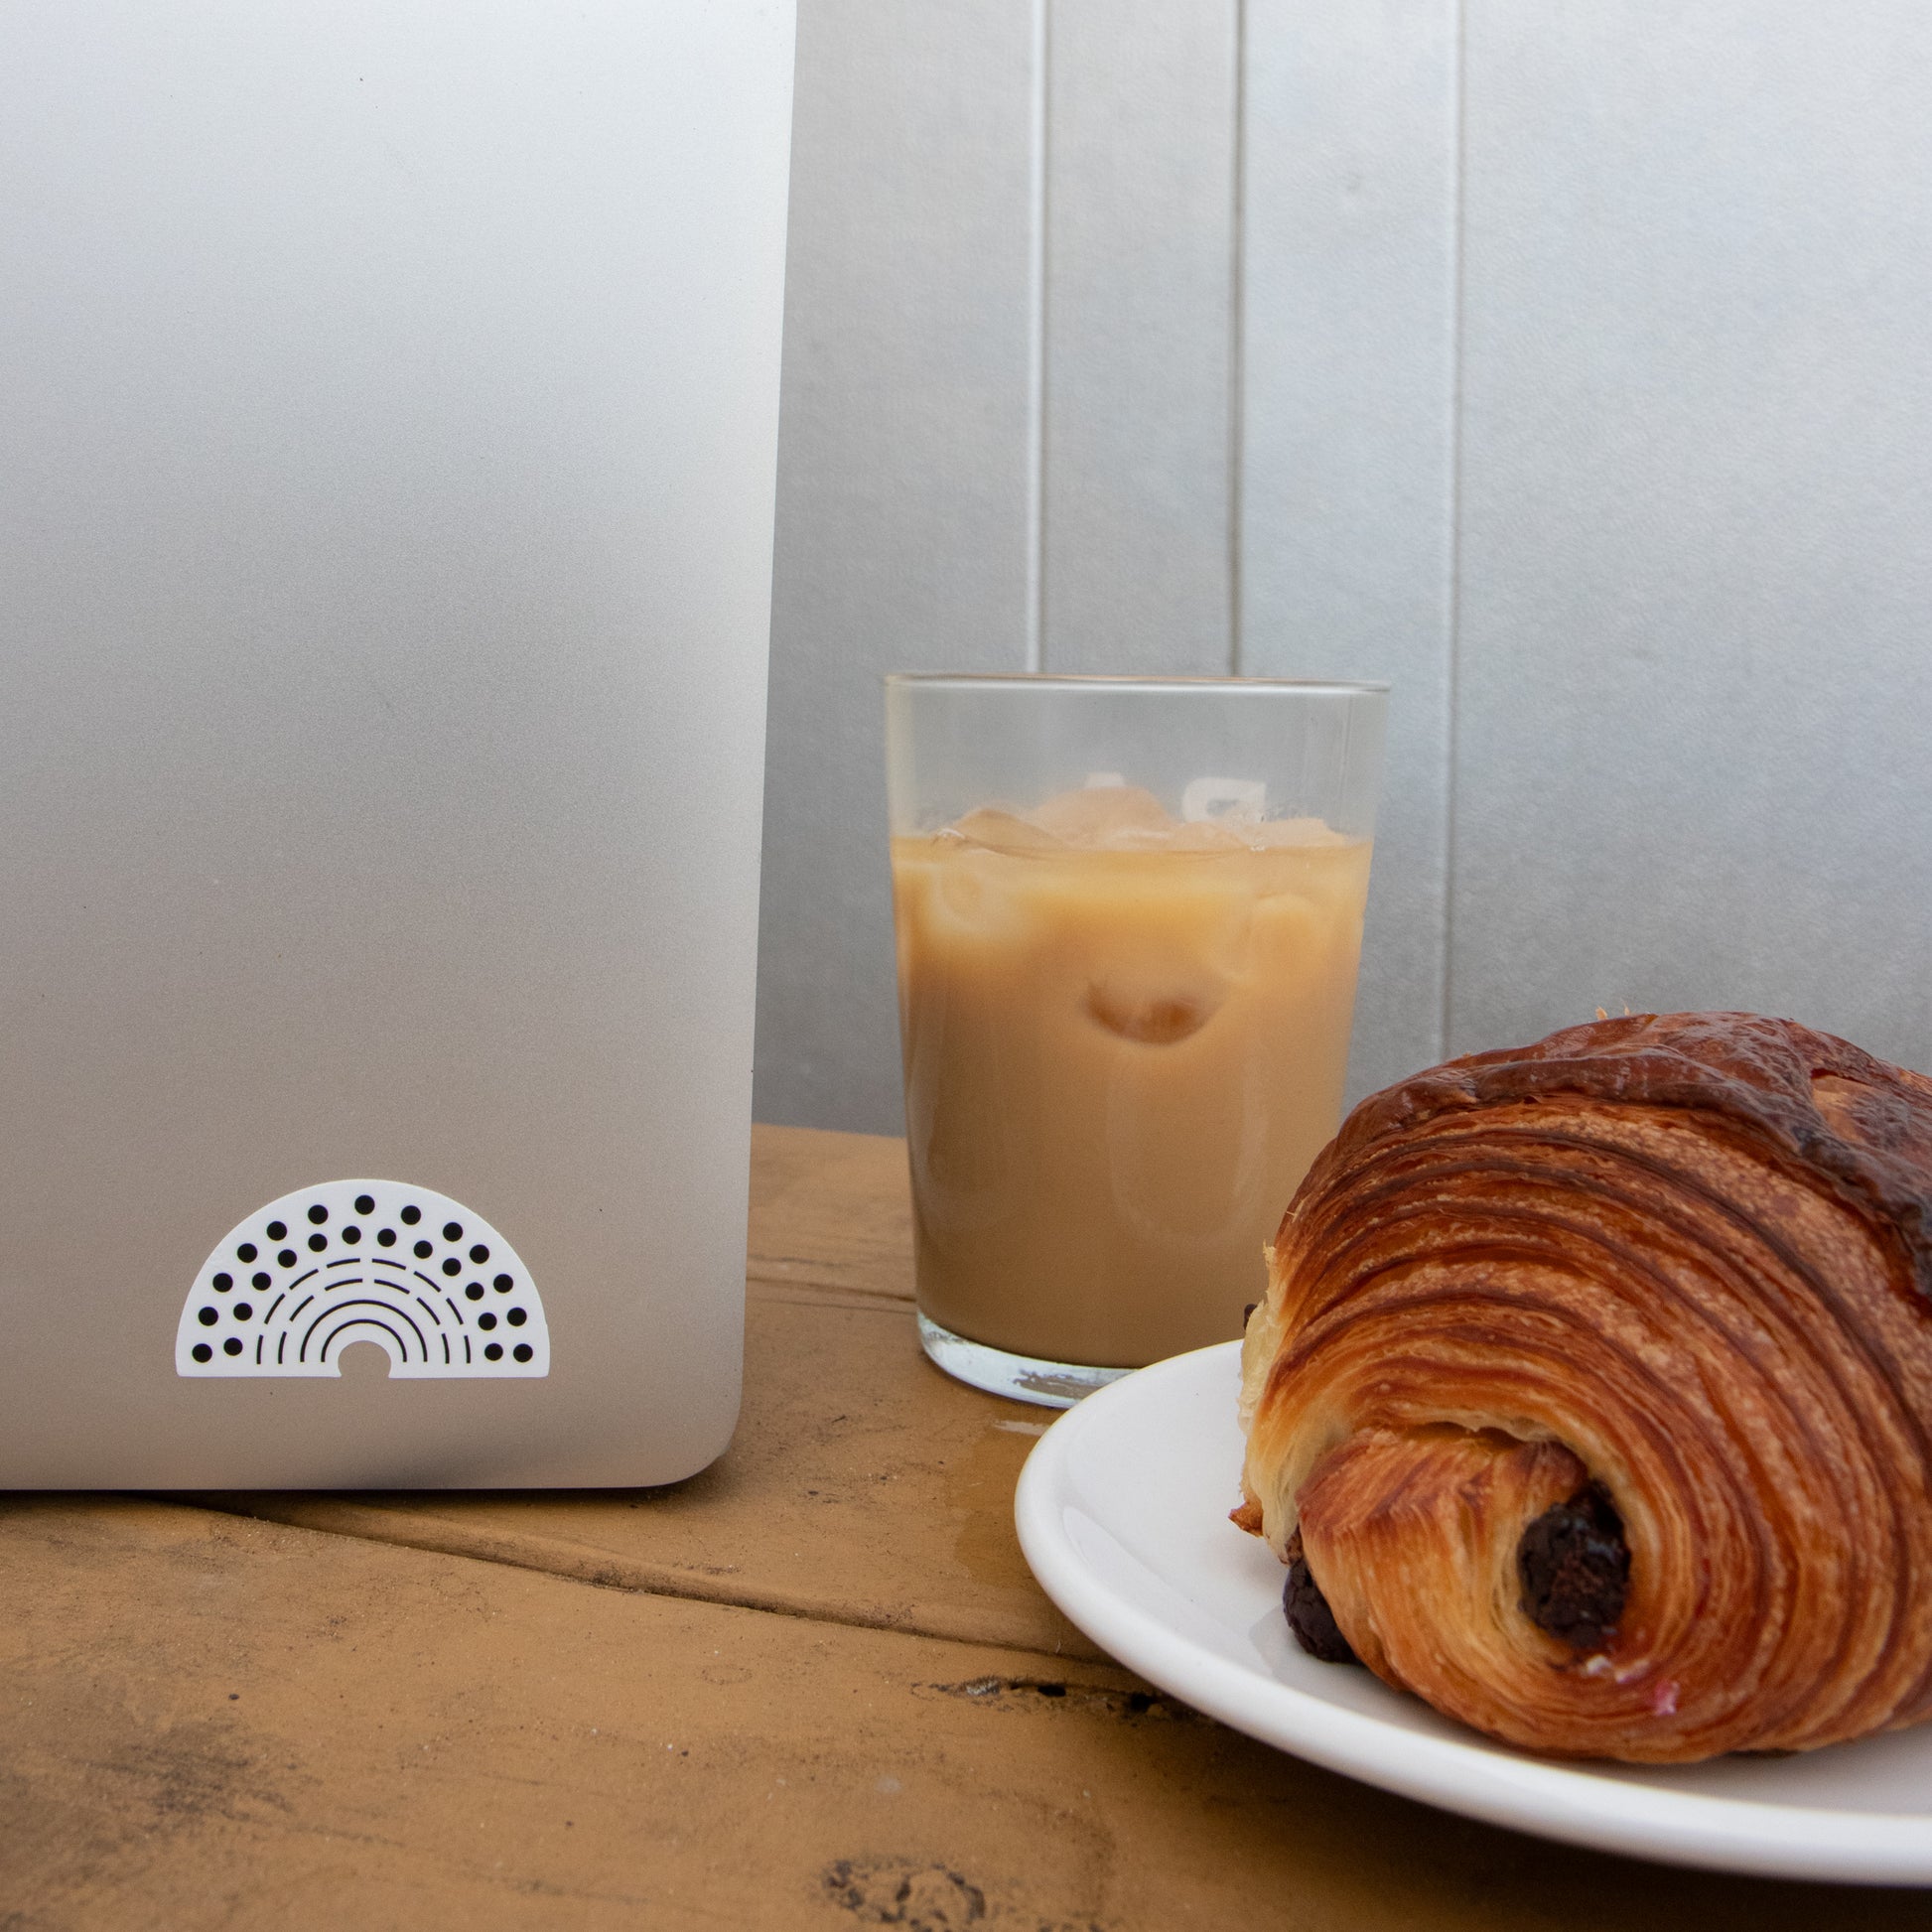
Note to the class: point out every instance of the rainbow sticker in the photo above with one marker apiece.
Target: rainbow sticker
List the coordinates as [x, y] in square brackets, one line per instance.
[429, 1282]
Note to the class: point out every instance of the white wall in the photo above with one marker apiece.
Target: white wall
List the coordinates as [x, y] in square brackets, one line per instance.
[1573, 366]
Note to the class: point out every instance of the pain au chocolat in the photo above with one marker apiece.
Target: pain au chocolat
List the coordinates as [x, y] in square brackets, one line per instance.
[1591, 1399]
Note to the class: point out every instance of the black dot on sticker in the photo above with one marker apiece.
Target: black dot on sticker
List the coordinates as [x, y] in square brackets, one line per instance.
[223, 1283]
[387, 1237]
[517, 1317]
[209, 1317]
[424, 1251]
[352, 1235]
[246, 1252]
[202, 1353]
[318, 1214]
[523, 1352]
[452, 1230]
[366, 1204]
[485, 1321]
[243, 1310]
[286, 1258]
[260, 1280]
[493, 1351]
[475, 1291]
[276, 1230]
[480, 1254]
[233, 1346]
[318, 1242]
[453, 1266]
[504, 1283]
[411, 1214]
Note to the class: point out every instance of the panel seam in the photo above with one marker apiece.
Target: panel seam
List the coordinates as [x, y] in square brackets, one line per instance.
[1452, 667]
[1036, 620]
[1237, 342]
[587, 1566]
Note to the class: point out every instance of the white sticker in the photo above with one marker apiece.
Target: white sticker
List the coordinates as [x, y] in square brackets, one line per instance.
[432, 1284]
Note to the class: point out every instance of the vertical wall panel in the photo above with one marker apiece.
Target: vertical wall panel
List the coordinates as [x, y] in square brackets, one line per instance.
[1697, 555]
[1350, 170]
[1140, 249]
[904, 521]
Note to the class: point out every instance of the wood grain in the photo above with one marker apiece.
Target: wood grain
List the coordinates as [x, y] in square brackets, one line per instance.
[221, 1723]
[831, 1209]
[813, 1686]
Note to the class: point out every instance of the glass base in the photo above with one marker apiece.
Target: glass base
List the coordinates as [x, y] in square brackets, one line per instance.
[1054, 1385]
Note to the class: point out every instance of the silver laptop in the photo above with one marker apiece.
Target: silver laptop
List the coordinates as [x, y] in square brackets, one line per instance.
[389, 400]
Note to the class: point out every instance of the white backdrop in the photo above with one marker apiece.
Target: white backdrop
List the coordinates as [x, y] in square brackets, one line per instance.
[1571, 366]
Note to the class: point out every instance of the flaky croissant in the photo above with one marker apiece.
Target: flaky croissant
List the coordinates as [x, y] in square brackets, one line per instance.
[1591, 1399]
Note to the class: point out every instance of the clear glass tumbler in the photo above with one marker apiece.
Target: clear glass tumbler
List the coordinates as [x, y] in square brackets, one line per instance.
[1129, 917]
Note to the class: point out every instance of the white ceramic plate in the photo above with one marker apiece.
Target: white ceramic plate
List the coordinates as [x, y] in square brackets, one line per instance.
[1123, 1514]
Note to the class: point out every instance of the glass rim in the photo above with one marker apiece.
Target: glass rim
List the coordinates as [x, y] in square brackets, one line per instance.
[1102, 681]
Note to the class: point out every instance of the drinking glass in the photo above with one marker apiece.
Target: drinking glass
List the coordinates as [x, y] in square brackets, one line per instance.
[1129, 915]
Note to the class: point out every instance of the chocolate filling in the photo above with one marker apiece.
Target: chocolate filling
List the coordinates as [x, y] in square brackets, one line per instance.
[1574, 1568]
[1309, 1614]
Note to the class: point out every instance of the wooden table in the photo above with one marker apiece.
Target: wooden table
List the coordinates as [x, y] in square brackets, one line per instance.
[813, 1686]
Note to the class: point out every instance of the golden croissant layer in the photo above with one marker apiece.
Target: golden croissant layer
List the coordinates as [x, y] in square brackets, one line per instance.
[1594, 1389]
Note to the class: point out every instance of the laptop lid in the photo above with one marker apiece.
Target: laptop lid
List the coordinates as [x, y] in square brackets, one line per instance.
[390, 413]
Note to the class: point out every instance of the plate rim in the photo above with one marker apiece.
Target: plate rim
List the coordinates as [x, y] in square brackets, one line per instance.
[1472, 1777]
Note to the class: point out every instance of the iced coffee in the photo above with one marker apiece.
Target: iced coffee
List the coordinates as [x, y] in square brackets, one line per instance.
[1125, 1035]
